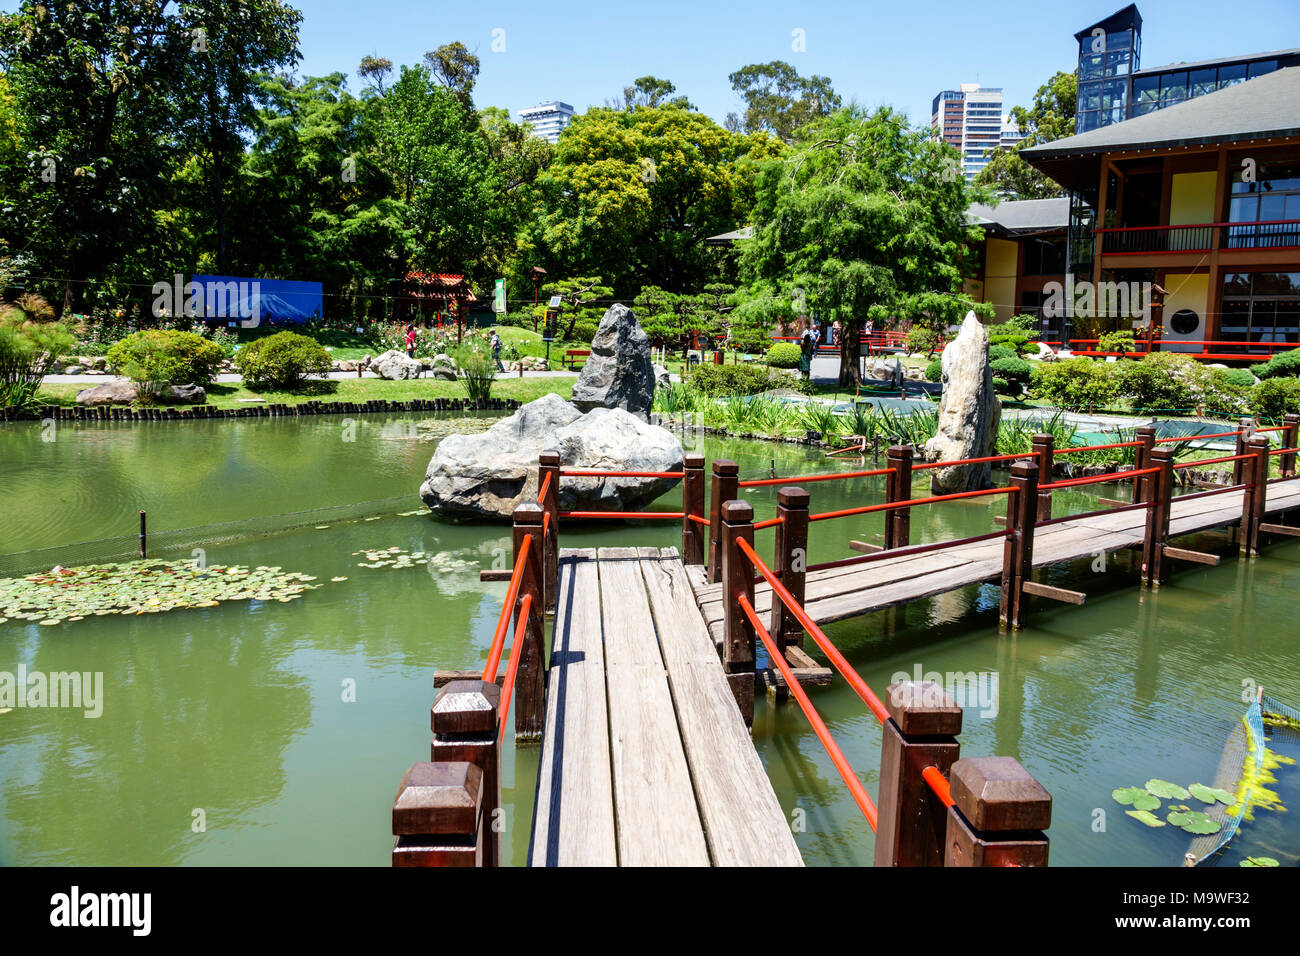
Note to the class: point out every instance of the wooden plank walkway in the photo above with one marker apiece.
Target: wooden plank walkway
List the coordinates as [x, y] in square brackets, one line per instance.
[646, 760]
[834, 594]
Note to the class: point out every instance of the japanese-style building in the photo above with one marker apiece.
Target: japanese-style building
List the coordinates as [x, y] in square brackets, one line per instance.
[429, 296]
[1023, 251]
[1202, 199]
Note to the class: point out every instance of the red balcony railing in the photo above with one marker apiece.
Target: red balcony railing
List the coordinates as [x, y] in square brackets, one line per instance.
[1199, 237]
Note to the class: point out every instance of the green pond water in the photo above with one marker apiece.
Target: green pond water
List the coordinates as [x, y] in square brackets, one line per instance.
[239, 715]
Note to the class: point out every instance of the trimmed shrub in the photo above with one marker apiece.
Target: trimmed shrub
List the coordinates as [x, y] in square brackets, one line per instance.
[1238, 377]
[1010, 338]
[1013, 370]
[1076, 384]
[920, 339]
[1002, 351]
[1121, 342]
[783, 355]
[1003, 387]
[734, 379]
[934, 371]
[156, 358]
[281, 361]
[1275, 397]
[1282, 365]
[1164, 381]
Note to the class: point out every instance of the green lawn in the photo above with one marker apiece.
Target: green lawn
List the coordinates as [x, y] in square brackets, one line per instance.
[228, 395]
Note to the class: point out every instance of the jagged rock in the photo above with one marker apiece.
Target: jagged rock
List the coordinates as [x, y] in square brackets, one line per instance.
[395, 365]
[662, 377]
[969, 412]
[184, 395]
[618, 373]
[487, 475]
[889, 368]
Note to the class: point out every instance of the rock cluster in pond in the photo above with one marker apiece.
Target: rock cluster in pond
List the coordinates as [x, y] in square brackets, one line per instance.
[395, 365]
[489, 474]
[969, 412]
[619, 373]
[124, 393]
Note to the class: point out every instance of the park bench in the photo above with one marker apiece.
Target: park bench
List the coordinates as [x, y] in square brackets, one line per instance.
[572, 355]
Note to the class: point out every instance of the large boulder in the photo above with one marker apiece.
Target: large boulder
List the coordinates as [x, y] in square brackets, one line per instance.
[969, 412]
[619, 372]
[124, 393]
[487, 475]
[396, 365]
[888, 368]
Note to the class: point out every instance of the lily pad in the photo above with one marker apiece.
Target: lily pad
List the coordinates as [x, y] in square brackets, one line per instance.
[1193, 821]
[1167, 790]
[1145, 816]
[1259, 861]
[1210, 794]
[1135, 797]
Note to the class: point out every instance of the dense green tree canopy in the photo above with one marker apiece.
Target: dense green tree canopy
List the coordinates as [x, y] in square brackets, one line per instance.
[631, 196]
[780, 101]
[861, 220]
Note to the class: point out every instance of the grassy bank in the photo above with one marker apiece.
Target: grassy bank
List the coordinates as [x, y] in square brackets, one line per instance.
[235, 395]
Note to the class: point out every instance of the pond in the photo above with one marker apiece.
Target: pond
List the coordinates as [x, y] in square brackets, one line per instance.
[268, 732]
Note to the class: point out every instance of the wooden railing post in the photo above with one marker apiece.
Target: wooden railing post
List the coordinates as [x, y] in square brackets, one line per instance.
[692, 507]
[1018, 549]
[791, 554]
[998, 815]
[438, 816]
[1247, 427]
[1253, 503]
[898, 487]
[921, 732]
[1160, 493]
[549, 464]
[738, 637]
[724, 488]
[464, 720]
[1044, 448]
[1290, 439]
[1146, 434]
[530, 682]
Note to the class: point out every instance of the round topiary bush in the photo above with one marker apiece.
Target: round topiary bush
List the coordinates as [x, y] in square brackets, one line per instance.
[156, 358]
[1238, 377]
[1274, 397]
[1002, 351]
[1016, 372]
[783, 355]
[281, 361]
[934, 371]
[1282, 365]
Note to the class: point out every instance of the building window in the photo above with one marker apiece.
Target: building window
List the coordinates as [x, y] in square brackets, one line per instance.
[1264, 206]
[1260, 307]
[1173, 89]
[1044, 257]
[1203, 81]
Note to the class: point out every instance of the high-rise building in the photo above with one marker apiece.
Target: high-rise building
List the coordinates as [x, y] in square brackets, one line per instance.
[969, 119]
[548, 119]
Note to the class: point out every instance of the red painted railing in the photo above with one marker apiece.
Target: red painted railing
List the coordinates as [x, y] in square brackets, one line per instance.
[1199, 237]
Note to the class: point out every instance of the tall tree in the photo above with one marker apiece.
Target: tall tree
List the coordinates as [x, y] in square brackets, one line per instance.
[632, 195]
[457, 69]
[861, 221]
[651, 91]
[232, 43]
[1050, 118]
[375, 70]
[778, 100]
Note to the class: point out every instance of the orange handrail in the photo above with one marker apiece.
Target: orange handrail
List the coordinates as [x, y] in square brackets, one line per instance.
[939, 784]
[1095, 479]
[769, 523]
[970, 461]
[891, 505]
[860, 796]
[516, 653]
[841, 664]
[503, 622]
[756, 482]
[699, 520]
[592, 473]
[546, 483]
[621, 514]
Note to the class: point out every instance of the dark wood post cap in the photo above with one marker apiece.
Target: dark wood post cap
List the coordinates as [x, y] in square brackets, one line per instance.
[528, 513]
[922, 709]
[996, 794]
[791, 496]
[438, 798]
[1146, 430]
[725, 467]
[549, 457]
[1044, 439]
[737, 512]
[1162, 453]
[900, 451]
[1025, 468]
[466, 707]
[693, 459]
[1259, 441]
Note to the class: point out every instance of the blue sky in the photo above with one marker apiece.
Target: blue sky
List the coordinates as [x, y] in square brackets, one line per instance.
[898, 53]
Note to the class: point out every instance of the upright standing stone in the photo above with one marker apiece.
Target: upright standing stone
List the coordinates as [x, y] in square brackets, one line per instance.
[969, 412]
[619, 372]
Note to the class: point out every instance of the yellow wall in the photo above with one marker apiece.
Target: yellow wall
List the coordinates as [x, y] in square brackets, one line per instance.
[1188, 290]
[1001, 257]
[1191, 198]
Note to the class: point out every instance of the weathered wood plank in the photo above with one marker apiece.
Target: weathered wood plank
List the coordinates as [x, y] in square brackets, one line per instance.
[658, 820]
[573, 817]
[743, 820]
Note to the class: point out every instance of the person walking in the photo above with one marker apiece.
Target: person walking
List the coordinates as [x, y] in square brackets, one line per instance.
[495, 343]
[410, 340]
[807, 347]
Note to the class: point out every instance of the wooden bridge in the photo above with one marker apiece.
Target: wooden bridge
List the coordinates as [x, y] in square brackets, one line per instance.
[643, 704]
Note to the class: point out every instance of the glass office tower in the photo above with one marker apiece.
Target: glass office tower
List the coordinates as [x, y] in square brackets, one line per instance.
[1109, 53]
